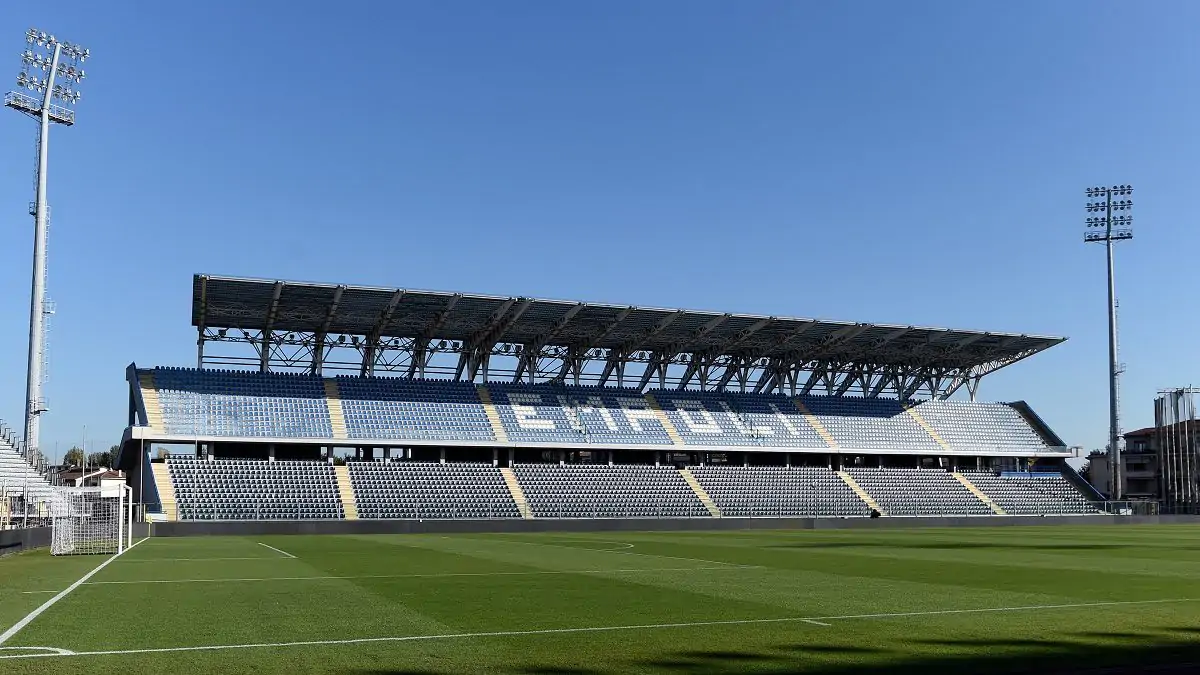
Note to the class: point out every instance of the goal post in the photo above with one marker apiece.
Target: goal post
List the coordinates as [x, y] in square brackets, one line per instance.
[91, 520]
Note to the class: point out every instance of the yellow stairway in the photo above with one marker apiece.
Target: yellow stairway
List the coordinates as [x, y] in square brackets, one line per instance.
[862, 494]
[979, 493]
[701, 493]
[661, 414]
[346, 491]
[337, 417]
[816, 424]
[166, 490]
[912, 412]
[150, 398]
[489, 409]
[518, 494]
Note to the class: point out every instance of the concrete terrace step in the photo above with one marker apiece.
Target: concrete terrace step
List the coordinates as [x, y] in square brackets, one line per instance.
[346, 492]
[517, 492]
[862, 494]
[701, 493]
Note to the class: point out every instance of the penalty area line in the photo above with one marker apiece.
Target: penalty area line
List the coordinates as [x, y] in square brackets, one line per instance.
[284, 553]
[16, 628]
[588, 629]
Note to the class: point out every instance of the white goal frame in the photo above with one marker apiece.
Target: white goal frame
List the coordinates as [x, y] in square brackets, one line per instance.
[91, 520]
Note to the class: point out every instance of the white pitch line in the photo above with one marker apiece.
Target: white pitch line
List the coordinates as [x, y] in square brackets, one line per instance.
[147, 560]
[16, 628]
[815, 622]
[285, 553]
[591, 629]
[398, 576]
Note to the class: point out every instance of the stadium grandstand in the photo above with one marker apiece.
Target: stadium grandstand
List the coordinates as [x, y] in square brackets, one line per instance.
[460, 406]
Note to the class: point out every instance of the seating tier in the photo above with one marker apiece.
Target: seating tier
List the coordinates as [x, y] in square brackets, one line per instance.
[254, 490]
[1031, 494]
[919, 492]
[430, 490]
[774, 491]
[260, 405]
[599, 491]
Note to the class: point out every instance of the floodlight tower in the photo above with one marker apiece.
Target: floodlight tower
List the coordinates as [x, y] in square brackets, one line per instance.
[1112, 223]
[52, 69]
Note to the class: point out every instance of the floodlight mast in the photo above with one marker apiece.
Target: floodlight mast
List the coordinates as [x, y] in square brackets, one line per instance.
[1110, 228]
[58, 59]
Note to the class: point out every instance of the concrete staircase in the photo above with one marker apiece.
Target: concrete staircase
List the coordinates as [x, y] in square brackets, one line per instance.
[862, 494]
[346, 491]
[154, 418]
[166, 490]
[912, 412]
[493, 416]
[701, 493]
[518, 494]
[337, 417]
[816, 424]
[979, 494]
[661, 414]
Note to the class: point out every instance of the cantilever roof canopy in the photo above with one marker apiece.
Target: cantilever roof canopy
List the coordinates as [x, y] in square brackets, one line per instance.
[323, 309]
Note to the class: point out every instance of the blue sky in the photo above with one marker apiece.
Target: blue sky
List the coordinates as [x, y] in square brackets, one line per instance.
[913, 163]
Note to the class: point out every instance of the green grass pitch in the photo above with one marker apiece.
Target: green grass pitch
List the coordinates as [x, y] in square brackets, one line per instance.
[1031, 599]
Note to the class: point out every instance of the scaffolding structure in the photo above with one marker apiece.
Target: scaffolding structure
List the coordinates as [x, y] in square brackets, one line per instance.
[1178, 437]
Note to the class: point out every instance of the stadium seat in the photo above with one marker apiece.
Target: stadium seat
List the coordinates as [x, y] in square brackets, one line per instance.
[982, 428]
[259, 405]
[601, 491]
[391, 407]
[243, 489]
[242, 404]
[430, 490]
[776, 491]
[1036, 494]
[919, 492]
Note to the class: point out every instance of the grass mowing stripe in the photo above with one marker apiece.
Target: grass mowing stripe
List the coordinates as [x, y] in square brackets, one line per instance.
[590, 629]
[405, 576]
[606, 550]
[16, 628]
[285, 553]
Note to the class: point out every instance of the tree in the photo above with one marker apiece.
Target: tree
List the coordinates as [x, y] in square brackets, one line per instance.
[101, 459]
[74, 457]
[162, 453]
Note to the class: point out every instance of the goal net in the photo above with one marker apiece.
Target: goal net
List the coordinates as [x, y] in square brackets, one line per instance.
[90, 520]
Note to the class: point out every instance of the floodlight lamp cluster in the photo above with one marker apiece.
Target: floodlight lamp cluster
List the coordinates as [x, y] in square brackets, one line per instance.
[1116, 190]
[72, 51]
[1117, 205]
[34, 63]
[1119, 221]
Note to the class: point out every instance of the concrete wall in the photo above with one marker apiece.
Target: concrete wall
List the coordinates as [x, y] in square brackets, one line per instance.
[15, 541]
[268, 527]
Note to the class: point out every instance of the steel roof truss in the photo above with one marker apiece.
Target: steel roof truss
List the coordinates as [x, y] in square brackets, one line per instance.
[529, 356]
[371, 345]
[264, 352]
[321, 348]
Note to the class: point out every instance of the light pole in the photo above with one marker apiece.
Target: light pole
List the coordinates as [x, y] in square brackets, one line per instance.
[50, 68]
[1111, 223]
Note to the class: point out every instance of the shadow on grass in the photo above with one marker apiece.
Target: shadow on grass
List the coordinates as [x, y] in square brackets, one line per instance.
[1162, 653]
